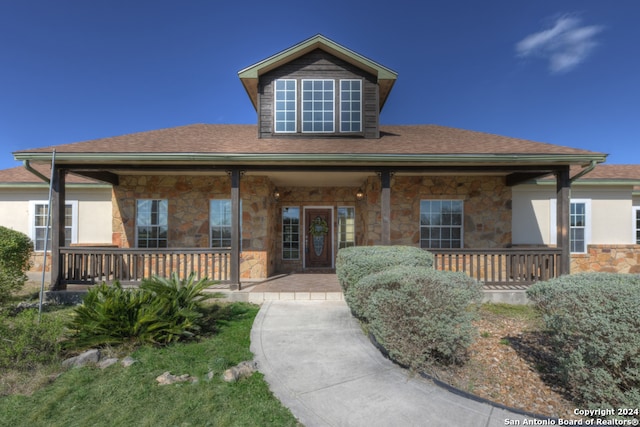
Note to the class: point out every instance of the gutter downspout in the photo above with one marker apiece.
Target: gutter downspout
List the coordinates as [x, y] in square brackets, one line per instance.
[28, 167]
[584, 171]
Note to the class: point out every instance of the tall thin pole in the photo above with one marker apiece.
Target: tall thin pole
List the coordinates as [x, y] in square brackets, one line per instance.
[46, 236]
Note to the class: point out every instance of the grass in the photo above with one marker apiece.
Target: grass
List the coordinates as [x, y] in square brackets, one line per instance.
[512, 311]
[131, 396]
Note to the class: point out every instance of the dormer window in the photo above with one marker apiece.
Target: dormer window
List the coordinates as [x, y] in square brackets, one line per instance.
[318, 104]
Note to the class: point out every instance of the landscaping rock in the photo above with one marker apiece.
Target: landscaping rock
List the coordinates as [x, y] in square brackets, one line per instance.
[242, 370]
[105, 363]
[90, 356]
[128, 361]
[167, 378]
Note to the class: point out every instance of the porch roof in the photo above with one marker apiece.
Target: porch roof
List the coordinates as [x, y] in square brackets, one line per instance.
[420, 145]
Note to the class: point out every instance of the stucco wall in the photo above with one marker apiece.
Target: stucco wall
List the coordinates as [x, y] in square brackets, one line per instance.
[534, 221]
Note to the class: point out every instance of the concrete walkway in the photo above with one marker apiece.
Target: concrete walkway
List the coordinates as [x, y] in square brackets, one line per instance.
[320, 365]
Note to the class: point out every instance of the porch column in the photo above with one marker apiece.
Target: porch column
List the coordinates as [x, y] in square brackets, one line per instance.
[385, 208]
[235, 230]
[563, 204]
[57, 210]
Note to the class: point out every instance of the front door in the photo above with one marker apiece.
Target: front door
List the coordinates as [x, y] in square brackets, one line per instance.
[319, 238]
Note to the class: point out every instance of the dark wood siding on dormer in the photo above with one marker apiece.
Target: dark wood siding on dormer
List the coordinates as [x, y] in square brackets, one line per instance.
[318, 65]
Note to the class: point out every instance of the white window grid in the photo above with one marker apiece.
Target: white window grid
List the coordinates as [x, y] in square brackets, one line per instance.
[346, 226]
[350, 105]
[39, 211]
[441, 224]
[285, 108]
[290, 233]
[318, 106]
[152, 226]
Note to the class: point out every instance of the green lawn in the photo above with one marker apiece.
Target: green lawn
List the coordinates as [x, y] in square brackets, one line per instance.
[118, 396]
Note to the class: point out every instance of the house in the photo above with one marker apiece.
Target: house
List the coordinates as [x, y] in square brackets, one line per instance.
[24, 202]
[318, 172]
[604, 218]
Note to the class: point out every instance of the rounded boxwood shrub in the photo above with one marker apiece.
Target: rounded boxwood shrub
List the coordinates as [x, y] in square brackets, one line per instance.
[354, 263]
[428, 319]
[15, 254]
[594, 325]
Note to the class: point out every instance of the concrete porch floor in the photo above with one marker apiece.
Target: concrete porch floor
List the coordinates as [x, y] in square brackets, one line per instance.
[294, 286]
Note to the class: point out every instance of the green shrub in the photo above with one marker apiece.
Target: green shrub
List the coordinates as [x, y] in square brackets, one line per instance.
[594, 323]
[159, 312]
[358, 296]
[353, 263]
[426, 321]
[15, 252]
[26, 343]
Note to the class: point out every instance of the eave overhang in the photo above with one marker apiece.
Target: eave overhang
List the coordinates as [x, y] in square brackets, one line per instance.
[301, 159]
[250, 76]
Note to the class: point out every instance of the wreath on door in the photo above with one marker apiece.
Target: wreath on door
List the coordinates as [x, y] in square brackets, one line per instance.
[318, 227]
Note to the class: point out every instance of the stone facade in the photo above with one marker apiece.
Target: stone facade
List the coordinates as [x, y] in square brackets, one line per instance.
[487, 208]
[607, 258]
[487, 212]
[189, 198]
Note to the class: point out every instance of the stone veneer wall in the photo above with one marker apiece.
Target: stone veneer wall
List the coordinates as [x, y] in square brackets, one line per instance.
[607, 258]
[487, 208]
[189, 198]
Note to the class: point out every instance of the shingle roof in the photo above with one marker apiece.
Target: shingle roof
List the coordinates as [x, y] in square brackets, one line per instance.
[235, 139]
[614, 172]
[20, 175]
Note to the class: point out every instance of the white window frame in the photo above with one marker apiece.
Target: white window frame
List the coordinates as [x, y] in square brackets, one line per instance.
[32, 221]
[285, 110]
[350, 228]
[350, 110]
[322, 111]
[459, 226]
[636, 225]
[152, 225]
[553, 238]
[286, 244]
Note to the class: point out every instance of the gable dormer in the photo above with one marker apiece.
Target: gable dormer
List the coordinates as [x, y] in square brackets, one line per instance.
[318, 88]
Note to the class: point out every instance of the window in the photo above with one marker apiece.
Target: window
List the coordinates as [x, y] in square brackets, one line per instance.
[350, 105]
[152, 223]
[220, 223]
[577, 227]
[441, 224]
[579, 224]
[346, 227]
[38, 211]
[636, 225]
[317, 106]
[285, 106]
[290, 233]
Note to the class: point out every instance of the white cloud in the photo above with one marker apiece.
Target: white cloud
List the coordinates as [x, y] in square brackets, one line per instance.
[565, 45]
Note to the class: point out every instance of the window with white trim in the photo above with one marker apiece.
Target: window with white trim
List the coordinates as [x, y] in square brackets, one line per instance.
[350, 105]
[38, 212]
[636, 223]
[319, 105]
[346, 226]
[285, 105]
[290, 233]
[441, 224]
[220, 223]
[152, 223]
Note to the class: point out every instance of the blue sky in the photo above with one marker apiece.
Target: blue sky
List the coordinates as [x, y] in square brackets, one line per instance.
[564, 72]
